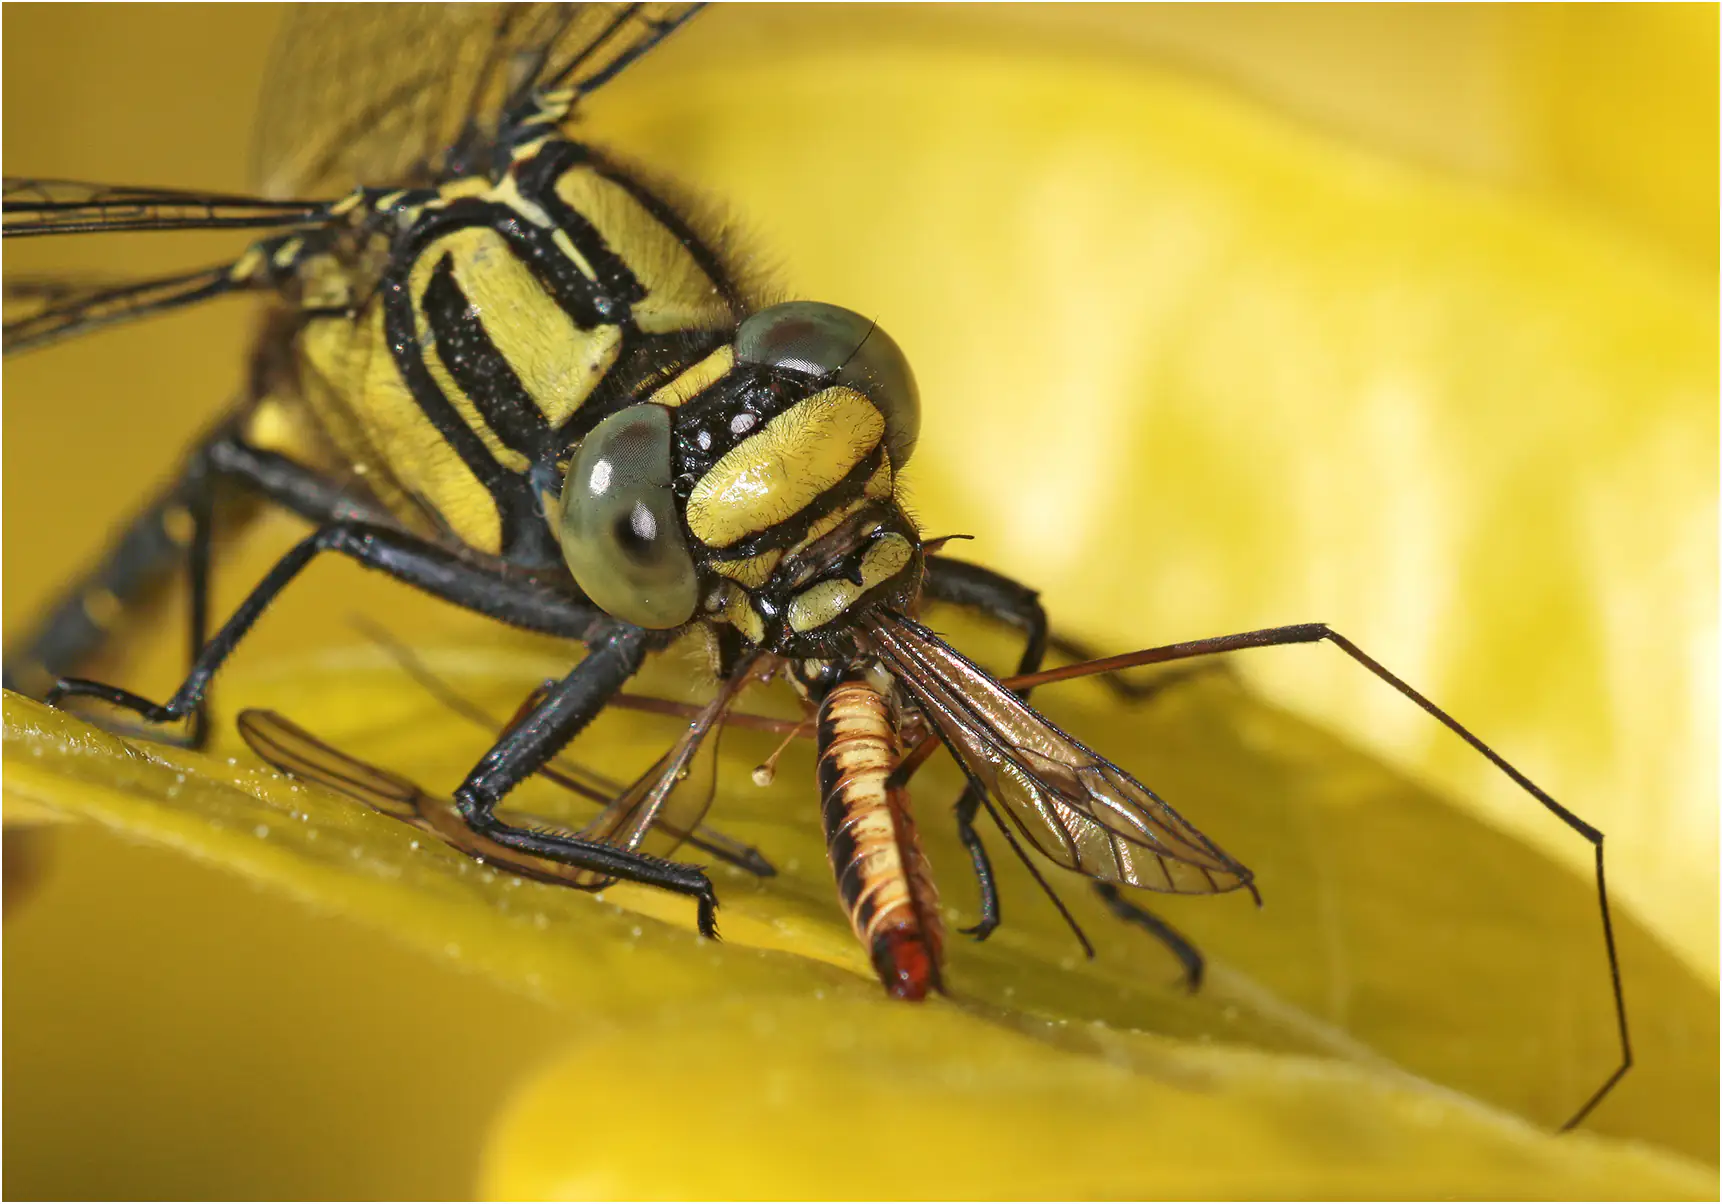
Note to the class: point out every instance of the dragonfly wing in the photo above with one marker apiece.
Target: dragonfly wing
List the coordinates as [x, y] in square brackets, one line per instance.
[34, 207]
[43, 311]
[665, 804]
[381, 94]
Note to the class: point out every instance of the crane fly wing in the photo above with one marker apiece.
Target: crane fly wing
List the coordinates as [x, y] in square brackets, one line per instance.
[1076, 807]
[664, 807]
[36, 207]
[293, 750]
[400, 94]
[665, 804]
[656, 815]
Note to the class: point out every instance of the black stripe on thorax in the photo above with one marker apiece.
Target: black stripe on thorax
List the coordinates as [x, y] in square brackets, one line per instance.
[536, 179]
[667, 216]
[483, 373]
[524, 534]
[478, 367]
[605, 302]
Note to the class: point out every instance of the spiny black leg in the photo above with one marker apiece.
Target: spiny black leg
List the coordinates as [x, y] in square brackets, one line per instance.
[1182, 948]
[291, 486]
[566, 708]
[137, 565]
[430, 568]
[175, 528]
[967, 806]
[993, 594]
[201, 507]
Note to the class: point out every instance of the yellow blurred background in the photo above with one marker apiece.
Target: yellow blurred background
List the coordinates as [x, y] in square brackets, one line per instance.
[1422, 304]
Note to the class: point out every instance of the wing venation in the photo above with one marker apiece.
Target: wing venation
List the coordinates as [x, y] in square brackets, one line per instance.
[1080, 810]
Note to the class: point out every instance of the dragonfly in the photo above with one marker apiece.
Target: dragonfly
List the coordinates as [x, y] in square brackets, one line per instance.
[501, 367]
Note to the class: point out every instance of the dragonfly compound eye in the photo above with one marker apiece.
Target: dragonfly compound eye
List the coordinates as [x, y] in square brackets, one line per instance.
[828, 341]
[620, 532]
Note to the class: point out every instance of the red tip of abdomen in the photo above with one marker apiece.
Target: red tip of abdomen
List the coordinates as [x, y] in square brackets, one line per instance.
[905, 964]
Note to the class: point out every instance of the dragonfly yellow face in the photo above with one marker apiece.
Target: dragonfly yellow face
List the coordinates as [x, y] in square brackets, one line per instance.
[503, 368]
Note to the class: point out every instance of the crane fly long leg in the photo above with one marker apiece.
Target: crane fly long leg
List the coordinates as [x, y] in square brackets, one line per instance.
[293, 750]
[1314, 633]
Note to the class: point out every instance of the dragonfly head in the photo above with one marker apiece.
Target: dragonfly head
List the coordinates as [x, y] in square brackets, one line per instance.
[757, 488]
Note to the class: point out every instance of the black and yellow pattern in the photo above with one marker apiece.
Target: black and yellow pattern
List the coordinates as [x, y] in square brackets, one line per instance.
[509, 319]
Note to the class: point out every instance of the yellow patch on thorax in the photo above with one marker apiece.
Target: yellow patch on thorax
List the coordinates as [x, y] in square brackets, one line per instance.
[354, 389]
[679, 294]
[778, 471]
[739, 613]
[557, 363]
[696, 379]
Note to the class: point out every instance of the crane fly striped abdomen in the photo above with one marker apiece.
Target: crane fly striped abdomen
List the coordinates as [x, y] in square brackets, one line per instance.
[883, 878]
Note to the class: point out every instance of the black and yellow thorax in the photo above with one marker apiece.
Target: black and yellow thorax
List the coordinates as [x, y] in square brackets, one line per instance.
[457, 342]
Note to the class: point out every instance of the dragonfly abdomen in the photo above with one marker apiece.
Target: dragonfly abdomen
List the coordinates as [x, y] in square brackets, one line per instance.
[882, 876]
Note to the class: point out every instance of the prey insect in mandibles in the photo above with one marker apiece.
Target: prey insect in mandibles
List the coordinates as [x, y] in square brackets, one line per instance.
[502, 367]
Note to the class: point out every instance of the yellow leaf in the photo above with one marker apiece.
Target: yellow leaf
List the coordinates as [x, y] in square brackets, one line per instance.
[1189, 368]
[854, 1098]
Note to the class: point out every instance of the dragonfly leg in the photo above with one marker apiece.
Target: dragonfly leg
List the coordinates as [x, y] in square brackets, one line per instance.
[994, 595]
[1181, 947]
[291, 486]
[574, 778]
[566, 708]
[172, 531]
[406, 558]
[469, 823]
